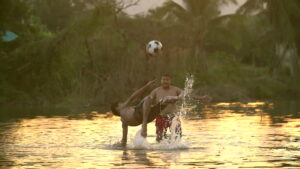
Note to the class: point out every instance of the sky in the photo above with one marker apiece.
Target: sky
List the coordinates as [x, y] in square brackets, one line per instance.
[145, 5]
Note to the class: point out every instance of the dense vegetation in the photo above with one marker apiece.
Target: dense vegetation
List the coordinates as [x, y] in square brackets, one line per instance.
[90, 53]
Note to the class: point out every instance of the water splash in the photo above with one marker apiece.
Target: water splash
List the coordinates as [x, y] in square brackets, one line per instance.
[176, 131]
[176, 127]
[140, 142]
[188, 88]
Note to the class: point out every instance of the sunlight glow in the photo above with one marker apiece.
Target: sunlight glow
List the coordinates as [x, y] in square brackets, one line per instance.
[223, 139]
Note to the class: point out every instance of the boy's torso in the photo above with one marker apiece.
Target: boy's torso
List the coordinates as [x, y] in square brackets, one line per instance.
[161, 93]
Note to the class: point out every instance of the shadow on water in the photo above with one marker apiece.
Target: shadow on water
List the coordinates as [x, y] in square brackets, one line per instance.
[13, 114]
[283, 110]
[5, 162]
[140, 156]
[150, 158]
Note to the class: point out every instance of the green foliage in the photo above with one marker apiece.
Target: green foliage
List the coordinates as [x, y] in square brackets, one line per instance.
[56, 14]
[89, 53]
[280, 15]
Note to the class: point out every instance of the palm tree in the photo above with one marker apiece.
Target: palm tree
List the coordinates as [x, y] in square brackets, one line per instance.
[284, 17]
[194, 14]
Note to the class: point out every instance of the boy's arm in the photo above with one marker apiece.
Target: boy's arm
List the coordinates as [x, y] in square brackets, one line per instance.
[152, 95]
[124, 137]
[180, 93]
[139, 92]
[204, 98]
[194, 96]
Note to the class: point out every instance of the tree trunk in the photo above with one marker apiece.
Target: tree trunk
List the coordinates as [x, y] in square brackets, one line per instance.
[295, 62]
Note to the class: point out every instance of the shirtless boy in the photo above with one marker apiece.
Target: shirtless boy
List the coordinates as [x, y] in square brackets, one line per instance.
[142, 113]
[164, 119]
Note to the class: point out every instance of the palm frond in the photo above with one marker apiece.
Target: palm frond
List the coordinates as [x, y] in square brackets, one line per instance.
[251, 6]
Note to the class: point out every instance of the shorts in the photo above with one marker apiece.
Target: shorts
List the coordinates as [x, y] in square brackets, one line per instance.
[162, 123]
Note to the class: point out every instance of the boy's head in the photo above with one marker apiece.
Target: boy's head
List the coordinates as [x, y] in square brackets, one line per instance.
[115, 108]
[165, 81]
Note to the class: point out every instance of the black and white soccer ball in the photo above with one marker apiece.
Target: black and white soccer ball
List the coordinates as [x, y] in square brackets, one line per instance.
[154, 47]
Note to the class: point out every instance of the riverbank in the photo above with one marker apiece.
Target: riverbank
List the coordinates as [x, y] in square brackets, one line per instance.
[99, 58]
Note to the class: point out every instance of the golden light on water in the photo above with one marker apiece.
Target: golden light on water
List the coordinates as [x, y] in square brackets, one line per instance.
[245, 105]
[222, 139]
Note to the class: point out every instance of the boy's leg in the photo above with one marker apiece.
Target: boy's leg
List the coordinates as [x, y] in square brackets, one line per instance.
[161, 128]
[146, 111]
[124, 135]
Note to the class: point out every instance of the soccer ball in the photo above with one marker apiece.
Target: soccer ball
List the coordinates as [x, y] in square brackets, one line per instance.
[153, 47]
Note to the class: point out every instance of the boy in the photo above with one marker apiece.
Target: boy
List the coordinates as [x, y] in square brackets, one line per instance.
[142, 113]
[164, 119]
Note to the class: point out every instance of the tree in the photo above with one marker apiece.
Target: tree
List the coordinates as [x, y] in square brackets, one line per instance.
[194, 14]
[283, 16]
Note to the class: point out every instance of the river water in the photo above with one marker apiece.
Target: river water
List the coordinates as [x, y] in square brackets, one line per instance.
[222, 135]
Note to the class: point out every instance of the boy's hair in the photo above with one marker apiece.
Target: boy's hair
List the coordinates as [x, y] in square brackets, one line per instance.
[113, 108]
[166, 75]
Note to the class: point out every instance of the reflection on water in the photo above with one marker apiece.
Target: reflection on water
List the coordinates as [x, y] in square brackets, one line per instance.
[224, 135]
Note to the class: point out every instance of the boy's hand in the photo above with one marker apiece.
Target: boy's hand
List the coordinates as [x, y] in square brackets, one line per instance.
[151, 83]
[170, 99]
[206, 99]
